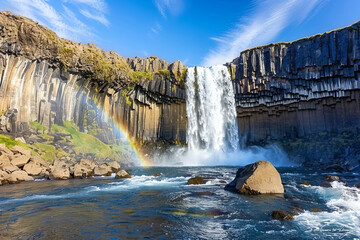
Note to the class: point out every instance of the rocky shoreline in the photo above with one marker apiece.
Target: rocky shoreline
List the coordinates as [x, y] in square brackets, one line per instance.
[17, 164]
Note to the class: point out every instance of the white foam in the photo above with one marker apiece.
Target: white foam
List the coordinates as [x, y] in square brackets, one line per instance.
[344, 218]
[127, 184]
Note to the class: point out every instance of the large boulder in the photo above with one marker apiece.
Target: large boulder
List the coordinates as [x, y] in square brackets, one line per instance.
[115, 166]
[3, 177]
[122, 174]
[60, 170]
[39, 160]
[17, 149]
[103, 169]
[5, 150]
[10, 168]
[85, 168]
[33, 169]
[18, 176]
[4, 160]
[20, 160]
[257, 178]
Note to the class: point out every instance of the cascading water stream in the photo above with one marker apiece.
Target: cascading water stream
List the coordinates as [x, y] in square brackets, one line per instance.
[211, 112]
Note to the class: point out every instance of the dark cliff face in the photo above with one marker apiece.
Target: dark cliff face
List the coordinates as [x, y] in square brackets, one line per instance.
[301, 90]
[49, 80]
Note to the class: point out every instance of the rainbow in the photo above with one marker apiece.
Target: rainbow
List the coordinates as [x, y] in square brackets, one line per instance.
[144, 160]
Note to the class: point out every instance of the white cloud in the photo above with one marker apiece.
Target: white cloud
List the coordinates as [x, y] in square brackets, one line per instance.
[63, 21]
[269, 18]
[174, 7]
[97, 17]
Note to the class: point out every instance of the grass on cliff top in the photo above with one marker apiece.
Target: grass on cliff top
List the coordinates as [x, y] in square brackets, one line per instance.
[85, 143]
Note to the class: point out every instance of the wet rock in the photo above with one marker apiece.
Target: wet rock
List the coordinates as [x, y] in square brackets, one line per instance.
[315, 210]
[223, 181]
[332, 178]
[19, 176]
[115, 166]
[306, 183]
[281, 215]
[33, 169]
[156, 174]
[357, 185]
[195, 181]
[258, 178]
[17, 149]
[325, 185]
[122, 174]
[103, 170]
[3, 177]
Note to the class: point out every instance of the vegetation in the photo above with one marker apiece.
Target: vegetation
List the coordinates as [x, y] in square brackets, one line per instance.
[84, 143]
[48, 152]
[164, 73]
[183, 75]
[10, 142]
[38, 126]
[137, 76]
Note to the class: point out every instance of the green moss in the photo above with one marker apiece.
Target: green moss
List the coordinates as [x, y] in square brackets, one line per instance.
[49, 152]
[85, 143]
[138, 76]
[183, 75]
[38, 126]
[46, 137]
[103, 69]
[163, 73]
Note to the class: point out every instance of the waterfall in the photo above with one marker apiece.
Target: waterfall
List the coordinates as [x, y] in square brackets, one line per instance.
[210, 108]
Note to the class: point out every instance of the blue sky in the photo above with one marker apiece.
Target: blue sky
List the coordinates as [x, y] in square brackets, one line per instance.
[197, 32]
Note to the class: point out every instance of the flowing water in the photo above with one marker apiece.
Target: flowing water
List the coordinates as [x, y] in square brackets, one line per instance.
[165, 207]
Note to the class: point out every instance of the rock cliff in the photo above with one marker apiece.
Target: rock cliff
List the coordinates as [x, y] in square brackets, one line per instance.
[49, 80]
[286, 91]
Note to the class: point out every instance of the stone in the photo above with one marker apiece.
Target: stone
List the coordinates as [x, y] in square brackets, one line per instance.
[85, 168]
[10, 168]
[103, 170]
[195, 181]
[156, 174]
[39, 160]
[306, 183]
[258, 178]
[4, 160]
[315, 210]
[19, 176]
[20, 139]
[5, 150]
[20, 160]
[3, 177]
[281, 215]
[33, 169]
[332, 178]
[115, 166]
[357, 185]
[60, 173]
[17, 149]
[122, 174]
[325, 185]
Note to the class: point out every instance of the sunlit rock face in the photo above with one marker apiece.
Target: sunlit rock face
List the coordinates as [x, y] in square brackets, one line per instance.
[49, 80]
[299, 88]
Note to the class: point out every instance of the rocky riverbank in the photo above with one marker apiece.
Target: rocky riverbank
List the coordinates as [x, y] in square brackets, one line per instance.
[17, 164]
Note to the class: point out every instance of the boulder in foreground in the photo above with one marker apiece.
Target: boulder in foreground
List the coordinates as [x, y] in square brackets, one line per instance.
[260, 177]
[122, 174]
